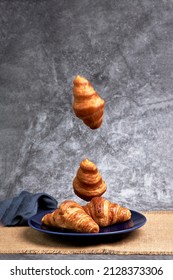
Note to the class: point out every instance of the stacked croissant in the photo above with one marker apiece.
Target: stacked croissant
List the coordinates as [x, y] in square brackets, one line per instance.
[88, 183]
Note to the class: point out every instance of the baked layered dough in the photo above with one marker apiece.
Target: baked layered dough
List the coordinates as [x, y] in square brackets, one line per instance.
[88, 182]
[106, 213]
[70, 215]
[87, 105]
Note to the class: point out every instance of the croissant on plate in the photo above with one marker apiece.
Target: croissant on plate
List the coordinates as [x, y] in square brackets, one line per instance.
[87, 105]
[70, 215]
[106, 213]
[88, 182]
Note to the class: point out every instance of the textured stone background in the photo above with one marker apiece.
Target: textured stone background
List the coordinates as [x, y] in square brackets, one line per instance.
[125, 49]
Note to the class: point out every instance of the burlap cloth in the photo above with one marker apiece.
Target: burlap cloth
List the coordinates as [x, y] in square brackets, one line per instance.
[154, 238]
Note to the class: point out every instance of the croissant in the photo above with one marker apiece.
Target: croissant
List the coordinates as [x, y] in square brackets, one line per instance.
[88, 105]
[105, 213]
[88, 182]
[70, 215]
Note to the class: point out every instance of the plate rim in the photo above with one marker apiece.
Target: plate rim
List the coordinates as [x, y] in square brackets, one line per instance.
[83, 234]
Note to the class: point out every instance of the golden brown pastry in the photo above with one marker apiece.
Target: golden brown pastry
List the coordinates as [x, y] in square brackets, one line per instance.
[88, 105]
[88, 182]
[105, 213]
[70, 215]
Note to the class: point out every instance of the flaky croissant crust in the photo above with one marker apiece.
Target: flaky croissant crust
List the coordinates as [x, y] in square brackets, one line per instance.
[106, 213]
[88, 182]
[70, 215]
[87, 105]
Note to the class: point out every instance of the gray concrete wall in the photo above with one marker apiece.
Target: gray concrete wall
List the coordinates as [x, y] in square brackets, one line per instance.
[125, 49]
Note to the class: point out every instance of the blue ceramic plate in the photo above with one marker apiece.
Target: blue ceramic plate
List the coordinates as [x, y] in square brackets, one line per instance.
[137, 220]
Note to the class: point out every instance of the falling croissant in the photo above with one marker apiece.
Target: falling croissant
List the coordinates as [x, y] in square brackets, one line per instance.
[106, 213]
[70, 215]
[88, 182]
[88, 105]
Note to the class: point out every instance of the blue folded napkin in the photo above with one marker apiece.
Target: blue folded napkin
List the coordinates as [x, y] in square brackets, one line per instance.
[17, 210]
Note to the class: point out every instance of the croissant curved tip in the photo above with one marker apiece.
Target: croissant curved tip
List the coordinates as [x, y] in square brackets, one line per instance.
[43, 220]
[88, 165]
[129, 214]
[80, 79]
